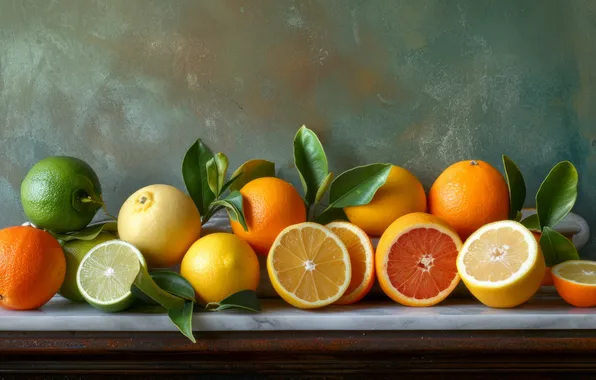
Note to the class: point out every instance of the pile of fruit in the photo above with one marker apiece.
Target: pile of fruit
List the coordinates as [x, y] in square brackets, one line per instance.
[317, 245]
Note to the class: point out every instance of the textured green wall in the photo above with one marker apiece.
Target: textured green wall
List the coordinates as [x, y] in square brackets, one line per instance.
[128, 85]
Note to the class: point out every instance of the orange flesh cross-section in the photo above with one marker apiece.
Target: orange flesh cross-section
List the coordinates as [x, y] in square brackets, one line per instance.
[422, 263]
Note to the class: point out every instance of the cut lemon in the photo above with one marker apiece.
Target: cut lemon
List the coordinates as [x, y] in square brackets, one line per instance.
[501, 264]
[415, 260]
[309, 266]
[362, 259]
[575, 281]
[106, 275]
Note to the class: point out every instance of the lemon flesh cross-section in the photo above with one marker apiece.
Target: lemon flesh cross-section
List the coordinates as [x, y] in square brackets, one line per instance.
[106, 275]
[309, 266]
[501, 264]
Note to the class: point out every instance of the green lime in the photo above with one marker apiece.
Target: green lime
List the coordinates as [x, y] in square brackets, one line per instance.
[106, 275]
[74, 251]
[61, 194]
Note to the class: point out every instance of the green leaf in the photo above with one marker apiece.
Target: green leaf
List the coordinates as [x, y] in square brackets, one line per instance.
[531, 222]
[251, 170]
[323, 188]
[194, 172]
[173, 283]
[311, 162]
[216, 172]
[556, 247]
[145, 284]
[356, 187]
[87, 233]
[517, 187]
[230, 182]
[331, 214]
[182, 318]
[243, 300]
[233, 204]
[557, 194]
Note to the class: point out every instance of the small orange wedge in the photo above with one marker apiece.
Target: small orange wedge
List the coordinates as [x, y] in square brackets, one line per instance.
[309, 266]
[575, 281]
[362, 258]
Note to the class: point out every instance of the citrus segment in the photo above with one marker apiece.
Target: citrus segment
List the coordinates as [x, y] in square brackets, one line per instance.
[575, 281]
[362, 260]
[502, 264]
[309, 266]
[415, 260]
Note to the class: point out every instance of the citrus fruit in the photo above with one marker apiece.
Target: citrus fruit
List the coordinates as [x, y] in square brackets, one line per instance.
[415, 260]
[32, 267]
[309, 266]
[219, 265]
[162, 222]
[362, 260]
[270, 205]
[501, 264]
[106, 275]
[401, 194]
[575, 281]
[74, 251]
[468, 195]
[61, 194]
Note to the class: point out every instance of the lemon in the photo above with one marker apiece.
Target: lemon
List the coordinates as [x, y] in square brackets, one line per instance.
[162, 222]
[74, 251]
[501, 264]
[219, 265]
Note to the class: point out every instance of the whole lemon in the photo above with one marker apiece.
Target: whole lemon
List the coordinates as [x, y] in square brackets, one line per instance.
[219, 265]
[401, 194]
[270, 205]
[162, 222]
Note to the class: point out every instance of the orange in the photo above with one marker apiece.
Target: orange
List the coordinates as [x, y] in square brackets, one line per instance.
[575, 281]
[270, 205]
[32, 267]
[362, 258]
[401, 194]
[468, 195]
[309, 266]
[416, 260]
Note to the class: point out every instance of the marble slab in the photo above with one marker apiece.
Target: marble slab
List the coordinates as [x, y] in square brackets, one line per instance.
[545, 312]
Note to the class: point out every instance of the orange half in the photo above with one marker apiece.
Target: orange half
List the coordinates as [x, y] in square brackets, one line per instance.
[362, 258]
[416, 260]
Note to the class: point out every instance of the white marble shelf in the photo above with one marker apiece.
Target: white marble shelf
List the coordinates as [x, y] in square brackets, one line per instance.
[545, 312]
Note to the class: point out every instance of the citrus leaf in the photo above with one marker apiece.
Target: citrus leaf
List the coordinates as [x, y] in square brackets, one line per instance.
[145, 284]
[356, 187]
[182, 318]
[194, 172]
[311, 162]
[323, 188]
[556, 248]
[233, 204]
[243, 300]
[230, 182]
[87, 233]
[331, 214]
[531, 222]
[251, 170]
[517, 187]
[216, 172]
[557, 194]
[173, 283]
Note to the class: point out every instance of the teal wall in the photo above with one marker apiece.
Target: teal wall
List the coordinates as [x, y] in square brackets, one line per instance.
[128, 85]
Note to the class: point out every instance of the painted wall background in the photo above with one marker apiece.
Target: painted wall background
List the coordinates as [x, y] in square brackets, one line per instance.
[128, 85]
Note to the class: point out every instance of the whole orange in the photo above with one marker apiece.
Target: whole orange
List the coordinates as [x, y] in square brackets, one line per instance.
[270, 205]
[468, 195]
[32, 267]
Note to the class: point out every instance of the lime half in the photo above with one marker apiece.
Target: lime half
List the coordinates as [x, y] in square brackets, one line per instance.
[106, 275]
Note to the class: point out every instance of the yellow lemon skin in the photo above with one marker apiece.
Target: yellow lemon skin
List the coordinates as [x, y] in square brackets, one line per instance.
[401, 194]
[162, 222]
[219, 265]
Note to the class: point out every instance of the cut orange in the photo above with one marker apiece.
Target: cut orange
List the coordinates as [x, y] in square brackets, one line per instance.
[575, 281]
[309, 266]
[362, 258]
[415, 260]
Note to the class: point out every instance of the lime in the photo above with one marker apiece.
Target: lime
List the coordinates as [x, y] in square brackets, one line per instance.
[106, 275]
[74, 251]
[61, 194]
